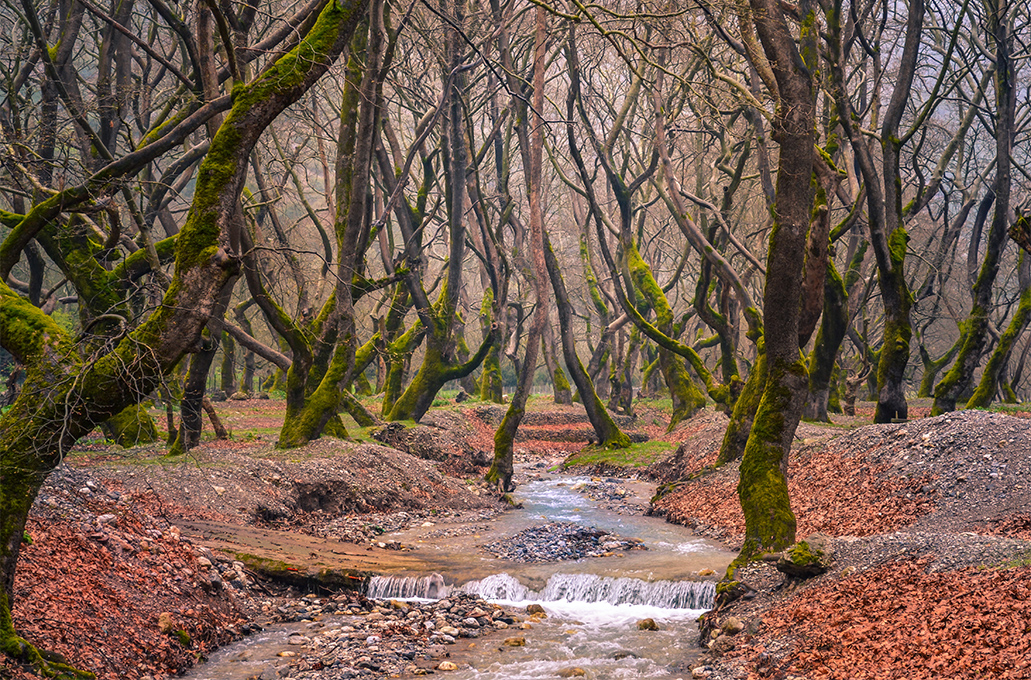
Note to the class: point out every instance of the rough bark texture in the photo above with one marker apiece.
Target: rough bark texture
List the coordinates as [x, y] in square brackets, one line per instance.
[960, 377]
[828, 341]
[66, 394]
[762, 487]
[605, 429]
[500, 471]
[989, 384]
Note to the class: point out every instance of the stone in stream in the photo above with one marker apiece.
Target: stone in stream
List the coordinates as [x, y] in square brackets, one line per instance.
[515, 642]
[574, 672]
[647, 624]
[447, 666]
[535, 609]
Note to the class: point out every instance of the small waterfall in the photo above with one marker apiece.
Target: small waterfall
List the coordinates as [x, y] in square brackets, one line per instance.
[430, 587]
[617, 591]
[560, 587]
[500, 587]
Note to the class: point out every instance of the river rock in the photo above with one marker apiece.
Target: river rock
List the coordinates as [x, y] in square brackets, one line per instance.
[721, 645]
[447, 666]
[810, 557]
[535, 609]
[647, 624]
[515, 642]
[732, 626]
[574, 672]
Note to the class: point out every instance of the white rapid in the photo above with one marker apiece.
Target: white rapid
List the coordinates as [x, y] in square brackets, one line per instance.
[593, 606]
[560, 588]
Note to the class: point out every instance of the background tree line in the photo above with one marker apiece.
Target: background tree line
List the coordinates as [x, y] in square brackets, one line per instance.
[776, 208]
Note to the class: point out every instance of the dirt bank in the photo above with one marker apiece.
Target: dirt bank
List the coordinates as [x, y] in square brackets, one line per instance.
[929, 575]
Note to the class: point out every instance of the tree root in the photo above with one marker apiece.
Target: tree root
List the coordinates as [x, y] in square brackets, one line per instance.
[45, 664]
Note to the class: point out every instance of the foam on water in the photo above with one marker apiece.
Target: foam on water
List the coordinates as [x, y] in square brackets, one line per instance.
[614, 595]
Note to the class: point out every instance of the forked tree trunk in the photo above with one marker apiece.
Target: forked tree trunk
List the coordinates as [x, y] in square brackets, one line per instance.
[38, 430]
[606, 431]
[762, 486]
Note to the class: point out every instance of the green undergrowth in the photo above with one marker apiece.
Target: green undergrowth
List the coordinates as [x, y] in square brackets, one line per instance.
[635, 456]
[1008, 408]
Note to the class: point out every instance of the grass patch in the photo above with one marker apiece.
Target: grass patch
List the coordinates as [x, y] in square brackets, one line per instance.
[636, 456]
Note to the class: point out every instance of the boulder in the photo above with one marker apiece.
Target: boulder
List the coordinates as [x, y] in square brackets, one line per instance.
[721, 645]
[732, 626]
[807, 558]
[647, 624]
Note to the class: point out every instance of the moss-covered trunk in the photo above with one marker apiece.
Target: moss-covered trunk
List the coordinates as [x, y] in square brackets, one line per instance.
[989, 384]
[67, 394]
[828, 340]
[132, 427]
[932, 367]
[898, 331]
[743, 415]
[762, 486]
[960, 377]
[687, 398]
[606, 431]
[491, 386]
[560, 385]
[500, 471]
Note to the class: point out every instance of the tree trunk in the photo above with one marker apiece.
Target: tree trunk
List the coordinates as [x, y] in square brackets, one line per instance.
[828, 341]
[132, 427]
[762, 486]
[228, 368]
[500, 472]
[986, 389]
[38, 430]
[560, 385]
[960, 377]
[606, 431]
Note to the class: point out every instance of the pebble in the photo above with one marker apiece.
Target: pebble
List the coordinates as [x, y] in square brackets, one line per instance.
[382, 638]
[557, 541]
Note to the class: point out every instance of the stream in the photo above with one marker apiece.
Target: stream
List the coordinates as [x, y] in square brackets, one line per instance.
[593, 605]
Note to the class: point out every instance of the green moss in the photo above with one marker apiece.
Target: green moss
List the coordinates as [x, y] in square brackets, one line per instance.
[637, 455]
[561, 383]
[18, 648]
[745, 408]
[986, 388]
[762, 487]
[198, 239]
[491, 388]
[131, 427]
[183, 637]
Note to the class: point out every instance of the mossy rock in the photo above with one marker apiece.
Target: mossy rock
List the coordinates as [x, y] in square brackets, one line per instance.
[810, 557]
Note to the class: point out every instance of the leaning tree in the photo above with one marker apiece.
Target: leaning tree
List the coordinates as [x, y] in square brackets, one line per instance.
[75, 381]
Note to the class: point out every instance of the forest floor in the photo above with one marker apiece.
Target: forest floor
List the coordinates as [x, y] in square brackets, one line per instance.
[928, 521]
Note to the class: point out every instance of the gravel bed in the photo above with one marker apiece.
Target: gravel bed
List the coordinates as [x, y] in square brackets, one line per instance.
[610, 495]
[361, 638]
[556, 541]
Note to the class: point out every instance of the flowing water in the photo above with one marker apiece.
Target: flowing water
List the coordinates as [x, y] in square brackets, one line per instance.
[592, 605]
